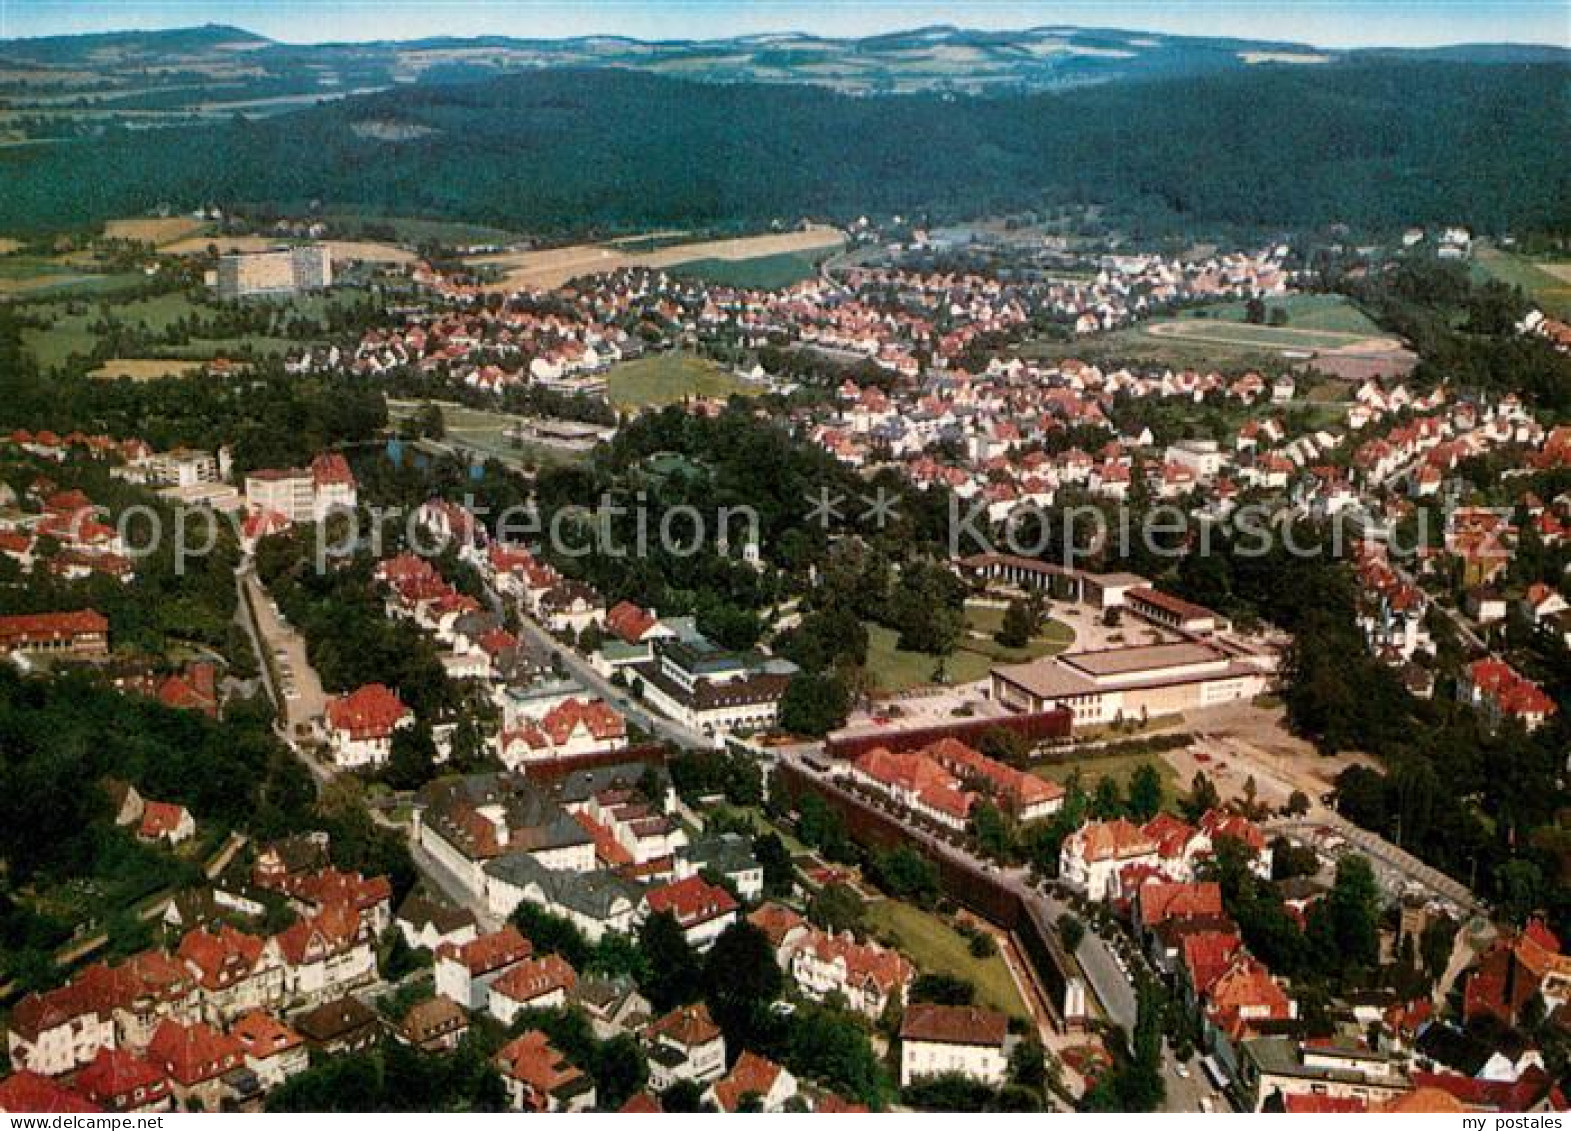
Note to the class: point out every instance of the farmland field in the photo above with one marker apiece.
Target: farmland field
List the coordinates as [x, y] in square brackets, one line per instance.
[156, 230]
[1304, 312]
[143, 368]
[662, 379]
[1547, 284]
[769, 273]
[552, 267]
[364, 251]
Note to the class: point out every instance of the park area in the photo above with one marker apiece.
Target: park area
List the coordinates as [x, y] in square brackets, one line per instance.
[895, 669]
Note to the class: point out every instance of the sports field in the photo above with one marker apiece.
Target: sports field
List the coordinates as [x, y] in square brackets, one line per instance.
[667, 378]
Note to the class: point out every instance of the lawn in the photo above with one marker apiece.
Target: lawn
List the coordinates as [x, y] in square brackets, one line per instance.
[1119, 767]
[768, 272]
[1054, 637]
[667, 378]
[894, 669]
[936, 948]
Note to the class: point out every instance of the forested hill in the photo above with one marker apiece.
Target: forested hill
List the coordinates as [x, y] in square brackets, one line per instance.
[1374, 145]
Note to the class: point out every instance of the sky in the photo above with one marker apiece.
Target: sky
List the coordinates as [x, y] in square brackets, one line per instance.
[1324, 23]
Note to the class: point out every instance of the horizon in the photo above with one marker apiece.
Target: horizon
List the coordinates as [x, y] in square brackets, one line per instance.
[1324, 24]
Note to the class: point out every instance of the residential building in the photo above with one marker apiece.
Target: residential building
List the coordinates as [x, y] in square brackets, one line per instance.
[539, 1078]
[360, 726]
[937, 1040]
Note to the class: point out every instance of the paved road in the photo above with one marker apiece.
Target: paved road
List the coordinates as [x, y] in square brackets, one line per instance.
[581, 670]
[305, 707]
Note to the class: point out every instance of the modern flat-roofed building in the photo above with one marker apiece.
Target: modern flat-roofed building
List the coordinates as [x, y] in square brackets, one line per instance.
[279, 271]
[1134, 682]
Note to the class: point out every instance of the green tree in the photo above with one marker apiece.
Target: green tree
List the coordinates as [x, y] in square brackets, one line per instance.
[814, 704]
[837, 907]
[674, 974]
[742, 980]
[1071, 930]
[1145, 792]
[775, 859]
[1017, 626]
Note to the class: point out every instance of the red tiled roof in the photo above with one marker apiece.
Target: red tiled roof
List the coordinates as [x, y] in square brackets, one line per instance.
[532, 1060]
[954, 1025]
[1305, 1104]
[488, 952]
[39, 628]
[114, 1077]
[262, 1035]
[31, 1093]
[535, 978]
[371, 711]
[751, 1075]
[1160, 902]
[688, 1026]
[193, 1053]
[692, 901]
[161, 819]
[629, 622]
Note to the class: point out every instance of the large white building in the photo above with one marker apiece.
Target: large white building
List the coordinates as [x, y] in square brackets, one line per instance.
[1135, 682]
[940, 1040]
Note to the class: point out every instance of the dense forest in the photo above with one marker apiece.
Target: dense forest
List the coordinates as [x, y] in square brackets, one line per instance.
[1371, 144]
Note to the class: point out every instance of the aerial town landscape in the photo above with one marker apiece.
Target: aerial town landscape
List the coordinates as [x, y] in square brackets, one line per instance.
[834, 569]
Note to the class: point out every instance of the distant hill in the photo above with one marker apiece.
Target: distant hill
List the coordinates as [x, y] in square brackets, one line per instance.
[1369, 143]
[225, 66]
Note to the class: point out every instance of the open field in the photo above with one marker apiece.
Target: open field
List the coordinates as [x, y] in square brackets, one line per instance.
[936, 948]
[156, 230]
[1304, 312]
[666, 378]
[71, 329]
[24, 275]
[1547, 284]
[416, 230]
[1291, 339]
[9, 246]
[1218, 335]
[144, 368]
[524, 270]
[362, 251]
[483, 432]
[768, 273]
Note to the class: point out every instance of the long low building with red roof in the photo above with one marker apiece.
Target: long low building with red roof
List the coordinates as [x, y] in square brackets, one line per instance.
[81, 633]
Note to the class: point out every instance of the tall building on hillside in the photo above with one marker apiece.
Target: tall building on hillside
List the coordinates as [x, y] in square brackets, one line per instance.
[280, 271]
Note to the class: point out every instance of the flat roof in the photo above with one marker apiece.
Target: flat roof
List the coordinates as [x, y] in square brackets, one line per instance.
[1144, 657]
